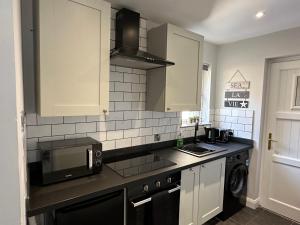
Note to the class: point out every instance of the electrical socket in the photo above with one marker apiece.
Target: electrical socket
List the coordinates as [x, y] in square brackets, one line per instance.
[156, 137]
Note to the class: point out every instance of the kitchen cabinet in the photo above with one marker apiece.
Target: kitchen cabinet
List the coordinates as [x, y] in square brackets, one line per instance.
[73, 44]
[178, 87]
[211, 190]
[202, 192]
[189, 196]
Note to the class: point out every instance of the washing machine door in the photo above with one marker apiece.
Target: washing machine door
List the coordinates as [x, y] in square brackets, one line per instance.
[238, 180]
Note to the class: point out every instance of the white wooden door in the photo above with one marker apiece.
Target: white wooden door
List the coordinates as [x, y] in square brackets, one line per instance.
[281, 163]
[188, 210]
[73, 55]
[211, 190]
[184, 79]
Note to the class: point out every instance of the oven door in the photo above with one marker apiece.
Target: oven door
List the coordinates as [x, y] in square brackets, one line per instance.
[66, 163]
[160, 208]
[104, 210]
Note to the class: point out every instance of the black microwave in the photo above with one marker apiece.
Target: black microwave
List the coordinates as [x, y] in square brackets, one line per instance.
[66, 159]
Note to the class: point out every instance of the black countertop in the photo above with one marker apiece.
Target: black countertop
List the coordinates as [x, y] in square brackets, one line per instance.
[54, 196]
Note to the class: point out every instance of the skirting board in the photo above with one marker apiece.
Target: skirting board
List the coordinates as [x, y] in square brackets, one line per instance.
[252, 203]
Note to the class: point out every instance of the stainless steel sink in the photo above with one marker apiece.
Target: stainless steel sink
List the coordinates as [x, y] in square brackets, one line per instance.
[201, 149]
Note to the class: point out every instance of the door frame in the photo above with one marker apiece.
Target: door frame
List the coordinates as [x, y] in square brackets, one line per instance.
[263, 137]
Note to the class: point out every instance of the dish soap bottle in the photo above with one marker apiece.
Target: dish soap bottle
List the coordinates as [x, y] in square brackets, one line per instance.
[179, 141]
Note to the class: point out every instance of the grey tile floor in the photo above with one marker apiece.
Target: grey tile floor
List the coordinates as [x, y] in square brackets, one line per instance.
[249, 216]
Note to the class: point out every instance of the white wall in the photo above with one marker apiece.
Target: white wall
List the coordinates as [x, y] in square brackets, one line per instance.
[249, 57]
[12, 185]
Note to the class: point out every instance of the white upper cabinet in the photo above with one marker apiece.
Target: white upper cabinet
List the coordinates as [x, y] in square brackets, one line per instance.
[73, 43]
[178, 87]
[211, 190]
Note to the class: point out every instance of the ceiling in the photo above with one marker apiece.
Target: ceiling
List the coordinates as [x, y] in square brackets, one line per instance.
[220, 21]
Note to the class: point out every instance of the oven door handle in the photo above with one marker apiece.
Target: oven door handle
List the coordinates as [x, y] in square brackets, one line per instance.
[174, 189]
[136, 204]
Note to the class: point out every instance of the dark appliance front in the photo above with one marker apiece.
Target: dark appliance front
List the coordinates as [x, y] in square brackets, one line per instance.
[154, 201]
[66, 159]
[235, 188]
[211, 134]
[127, 53]
[104, 210]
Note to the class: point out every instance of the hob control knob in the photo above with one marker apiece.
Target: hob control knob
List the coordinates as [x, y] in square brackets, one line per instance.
[169, 180]
[157, 184]
[146, 188]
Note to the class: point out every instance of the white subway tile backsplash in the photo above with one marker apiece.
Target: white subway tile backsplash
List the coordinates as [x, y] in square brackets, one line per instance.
[138, 105]
[143, 79]
[245, 120]
[121, 106]
[131, 133]
[116, 96]
[149, 139]
[38, 131]
[95, 118]
[99, 136]
[122, 86]
[152, 122]
[164, 122]
[123, 125]
[131, 78]
[158, 114]
[138, 123]
[106, 126]
[231, 119]
[32, 143]
[49, 120]
[115, 116]
[123, 143]
[116, 76]
[138, 88]
[128, 115]
[145, 114]
[74, 119]
[244, 134]
[131, 97]
[86, 127]
[249, 113]
[142, 97]
[146, 131]
[109, 145]
[159, 130]
[63, 129]
[237, 126]
[138, 141]
[113, 135]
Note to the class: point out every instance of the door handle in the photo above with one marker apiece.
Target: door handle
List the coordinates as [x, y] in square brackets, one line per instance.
[174, 189]
[270, 140]
[136, 204]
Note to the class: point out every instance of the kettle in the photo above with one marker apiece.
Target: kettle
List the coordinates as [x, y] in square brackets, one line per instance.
[211, 134]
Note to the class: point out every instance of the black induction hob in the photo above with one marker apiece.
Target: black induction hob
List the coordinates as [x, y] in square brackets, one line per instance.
[139, 165]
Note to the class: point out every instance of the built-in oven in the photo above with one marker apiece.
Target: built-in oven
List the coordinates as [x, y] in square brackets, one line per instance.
[105, 210]
[154, 201]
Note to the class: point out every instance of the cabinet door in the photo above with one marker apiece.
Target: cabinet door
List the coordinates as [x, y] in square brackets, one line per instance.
[211, 191]
[184, 79]
[189, 196]
[73, 57]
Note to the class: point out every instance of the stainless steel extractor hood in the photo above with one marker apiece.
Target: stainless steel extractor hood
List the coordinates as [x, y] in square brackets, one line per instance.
[127, 53]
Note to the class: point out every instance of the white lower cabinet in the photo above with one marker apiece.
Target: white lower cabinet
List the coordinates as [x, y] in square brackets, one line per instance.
[189, 196]
[202, 192]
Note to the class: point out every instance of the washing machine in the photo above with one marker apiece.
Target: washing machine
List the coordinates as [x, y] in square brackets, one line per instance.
[235, 188]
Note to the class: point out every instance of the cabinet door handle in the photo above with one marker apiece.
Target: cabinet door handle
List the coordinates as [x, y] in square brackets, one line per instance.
[104, 111]
[174, 189]
[168, 109]
[136, 204]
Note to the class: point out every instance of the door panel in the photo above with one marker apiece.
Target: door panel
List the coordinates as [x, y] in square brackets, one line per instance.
[211, 190]
[188, 210]
[71, 52]
[184, 79]
[281, 165]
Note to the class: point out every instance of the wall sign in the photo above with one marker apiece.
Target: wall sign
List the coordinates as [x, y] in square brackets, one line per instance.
[237, 94]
